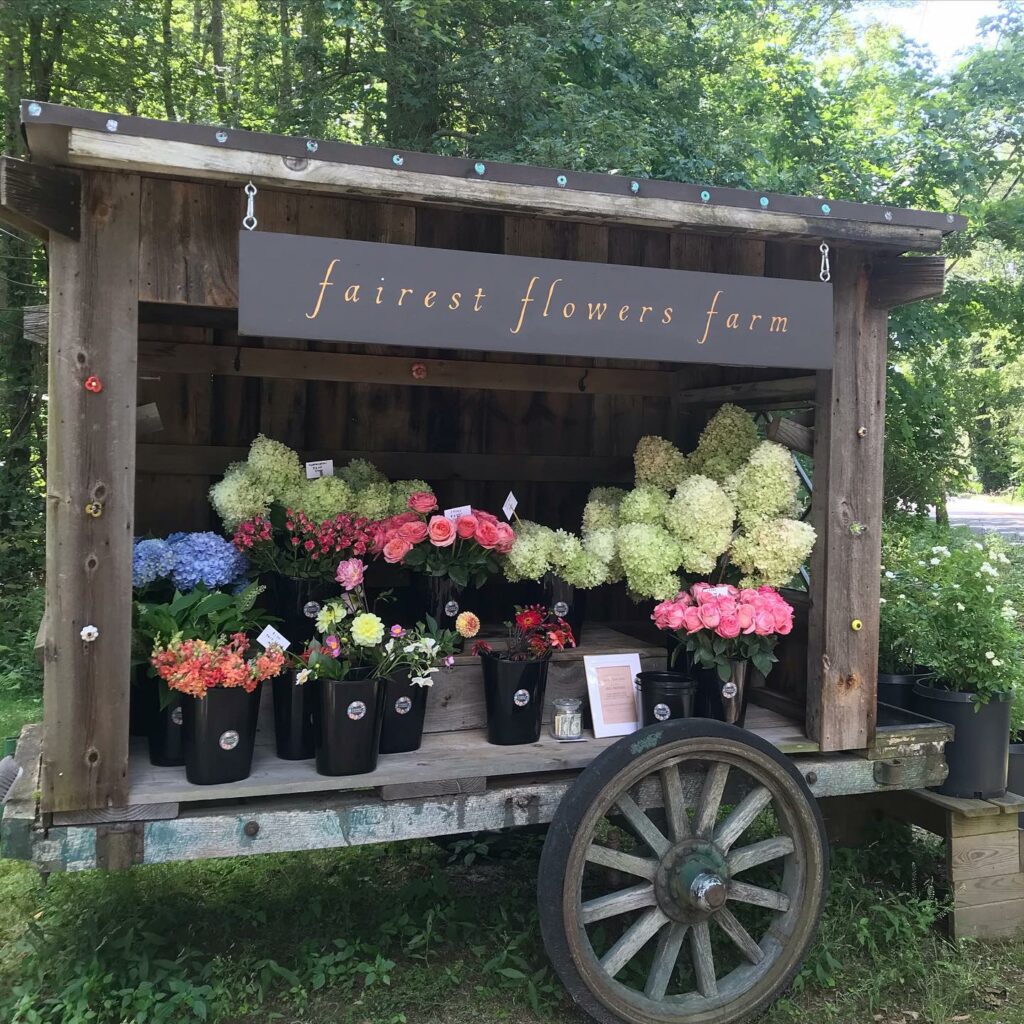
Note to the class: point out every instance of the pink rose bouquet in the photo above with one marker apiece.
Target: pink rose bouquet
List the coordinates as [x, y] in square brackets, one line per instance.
[466, 550]
[721, 624]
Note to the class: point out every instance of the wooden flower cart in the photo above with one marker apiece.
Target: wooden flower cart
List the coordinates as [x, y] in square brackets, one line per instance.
[154, 390]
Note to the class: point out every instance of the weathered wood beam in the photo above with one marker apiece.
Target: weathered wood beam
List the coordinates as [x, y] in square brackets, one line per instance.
[766, 394]
[846, 511]
[38, 199]
[89, 148]
[91, 458]
[795, 436]
[896, 281]
[212, 460]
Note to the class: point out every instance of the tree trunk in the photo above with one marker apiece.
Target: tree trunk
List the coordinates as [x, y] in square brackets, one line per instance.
[166, 77]
[942, 511]
[285, 97]
[219, 67]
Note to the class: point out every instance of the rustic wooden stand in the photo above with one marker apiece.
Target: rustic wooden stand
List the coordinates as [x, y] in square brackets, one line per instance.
[142, 220]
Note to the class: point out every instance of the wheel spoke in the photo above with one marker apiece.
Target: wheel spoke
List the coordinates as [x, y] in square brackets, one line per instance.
[635, 898]
[739, 935]
[703, 959]
[741, 818]
[635, 937]
[675, 803]
[759, 853]
[642, 867]
[670, 941]
[642, 825]
[744, 893]
[710, 798]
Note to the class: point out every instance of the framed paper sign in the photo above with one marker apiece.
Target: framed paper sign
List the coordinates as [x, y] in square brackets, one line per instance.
[611, 684]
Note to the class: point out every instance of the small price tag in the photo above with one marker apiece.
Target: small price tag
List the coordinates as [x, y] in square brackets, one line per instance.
[272, 636]
[322, 467]
[453, 514]
[509, 507]
[720, 591]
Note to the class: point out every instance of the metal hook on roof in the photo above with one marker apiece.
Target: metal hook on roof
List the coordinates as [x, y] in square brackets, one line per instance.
[249, 220]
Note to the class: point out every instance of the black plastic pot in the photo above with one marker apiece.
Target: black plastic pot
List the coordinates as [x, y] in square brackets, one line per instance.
[978, 755]
[514, 694]
[897, 688]
[167, 732]
[405, 707]
[141, 701]
[665, 696]
[722, 700]
[566, 601]
[347, 719]
[219, 732]
[293, 716]
[443, 598]
[1015, 774]
[289, 599]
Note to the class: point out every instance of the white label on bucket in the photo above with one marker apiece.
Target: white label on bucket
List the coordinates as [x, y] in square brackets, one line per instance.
[319, 468]
[177, 717]
[521, 698]
[509, 508]
[729, 690]
[403, 706]
[228, 740]
[356, 710]
[662, 712]
[272, 636]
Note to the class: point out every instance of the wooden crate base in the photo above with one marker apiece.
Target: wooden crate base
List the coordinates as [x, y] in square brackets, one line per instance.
[984, 856]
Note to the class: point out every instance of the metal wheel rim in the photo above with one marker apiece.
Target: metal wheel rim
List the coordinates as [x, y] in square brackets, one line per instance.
[747, 988]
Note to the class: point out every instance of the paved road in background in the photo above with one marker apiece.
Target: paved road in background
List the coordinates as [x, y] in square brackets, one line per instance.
[988, 516]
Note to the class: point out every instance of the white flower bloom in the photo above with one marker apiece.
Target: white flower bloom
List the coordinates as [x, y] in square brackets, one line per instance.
[990, 588]
[955, 586]
[990, 655]
[961, 607]
[890, 575]
[933, 561]
[996, 662]
[902, 597]
[991, 570]
[422, 681]
[302, 676]
[881, 600]
[920, 562]
[980, 547]
[1001, 557]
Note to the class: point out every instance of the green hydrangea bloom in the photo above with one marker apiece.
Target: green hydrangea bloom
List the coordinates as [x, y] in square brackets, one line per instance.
[765, 486]
[659, 462]
[563, 547]
[601, 544]
[274, 466]
[239, 496]
[772, 551]
[529, 558]
[645, 504]
[700, 516]
[372, 501]
[598, 515]
[323, 498]
[402, 489]
[359, 474]
[584, 570]
[726, 442]
[649, 555]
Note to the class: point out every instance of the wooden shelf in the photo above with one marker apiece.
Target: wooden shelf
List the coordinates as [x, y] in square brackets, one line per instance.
[443, 756]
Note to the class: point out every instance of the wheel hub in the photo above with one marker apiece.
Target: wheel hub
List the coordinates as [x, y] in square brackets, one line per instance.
[692, 881]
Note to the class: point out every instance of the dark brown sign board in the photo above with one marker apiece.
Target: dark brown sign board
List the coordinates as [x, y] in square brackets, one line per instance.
[293, 286]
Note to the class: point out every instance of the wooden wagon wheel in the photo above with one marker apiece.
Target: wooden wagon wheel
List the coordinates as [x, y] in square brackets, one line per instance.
[683, 877]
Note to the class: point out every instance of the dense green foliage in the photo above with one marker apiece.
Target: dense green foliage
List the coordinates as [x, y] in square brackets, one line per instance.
[791, 95]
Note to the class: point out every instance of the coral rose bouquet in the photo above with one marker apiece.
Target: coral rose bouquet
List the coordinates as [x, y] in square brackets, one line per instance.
[466, 550]
[721, 625]
[195, 666]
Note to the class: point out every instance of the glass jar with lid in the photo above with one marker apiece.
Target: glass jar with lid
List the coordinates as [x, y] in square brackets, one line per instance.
[567, 723]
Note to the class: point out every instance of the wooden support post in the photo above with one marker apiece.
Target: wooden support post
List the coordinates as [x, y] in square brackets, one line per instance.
[846, 511]
[91, 461]
[38, 199]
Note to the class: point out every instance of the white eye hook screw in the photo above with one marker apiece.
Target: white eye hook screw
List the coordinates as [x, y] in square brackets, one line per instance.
[249, 220]
[826, 271]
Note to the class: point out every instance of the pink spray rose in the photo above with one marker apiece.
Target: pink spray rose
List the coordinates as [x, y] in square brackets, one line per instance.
[441, 532]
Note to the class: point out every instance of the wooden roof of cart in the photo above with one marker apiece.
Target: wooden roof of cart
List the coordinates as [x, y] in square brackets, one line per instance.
[72, 137]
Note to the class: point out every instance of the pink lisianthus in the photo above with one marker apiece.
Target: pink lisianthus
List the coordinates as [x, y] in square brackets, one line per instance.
[350, 573]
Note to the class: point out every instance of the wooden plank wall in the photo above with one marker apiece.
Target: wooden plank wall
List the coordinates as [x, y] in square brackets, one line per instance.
[189, 258]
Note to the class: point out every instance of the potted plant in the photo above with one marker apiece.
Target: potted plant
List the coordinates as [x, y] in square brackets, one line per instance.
[726, 629]
[900, 622]
[421, 652]
[564, 565]
[349, 662]
[217, 683]
[448, 555]
[515, 679]
[299, 555]
[161, 569]
[970, 637]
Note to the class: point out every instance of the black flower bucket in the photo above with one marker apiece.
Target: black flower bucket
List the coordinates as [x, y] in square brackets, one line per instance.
[219, 732]
[514, 692]
[293, 716]
[405, 708]
[665, 696]
[167, 732]
[348, 716]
